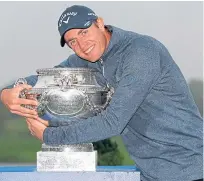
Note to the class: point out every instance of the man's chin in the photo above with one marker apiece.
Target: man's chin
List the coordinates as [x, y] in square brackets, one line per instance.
[93, 61]
[90, 59]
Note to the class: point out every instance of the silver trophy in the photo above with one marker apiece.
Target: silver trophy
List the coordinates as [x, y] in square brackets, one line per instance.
[68, 93]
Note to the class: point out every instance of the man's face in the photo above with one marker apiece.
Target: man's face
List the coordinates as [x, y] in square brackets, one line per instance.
[89, 43]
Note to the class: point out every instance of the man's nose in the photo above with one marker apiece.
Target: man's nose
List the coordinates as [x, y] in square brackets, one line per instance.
[82, 44]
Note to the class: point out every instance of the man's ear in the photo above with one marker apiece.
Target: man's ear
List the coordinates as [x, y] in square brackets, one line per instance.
[100, 24]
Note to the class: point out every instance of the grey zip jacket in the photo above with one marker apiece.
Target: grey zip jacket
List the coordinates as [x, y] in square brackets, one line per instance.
[152, 109]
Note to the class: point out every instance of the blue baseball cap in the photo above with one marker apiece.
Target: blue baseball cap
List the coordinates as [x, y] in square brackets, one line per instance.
[75, 17]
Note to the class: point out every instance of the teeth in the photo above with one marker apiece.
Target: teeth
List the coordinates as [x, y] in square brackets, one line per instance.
[87, 51]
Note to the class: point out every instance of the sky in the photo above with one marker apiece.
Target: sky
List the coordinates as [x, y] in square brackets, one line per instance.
[29, 38]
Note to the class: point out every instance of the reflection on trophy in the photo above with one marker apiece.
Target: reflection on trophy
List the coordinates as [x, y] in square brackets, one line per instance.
[68, 93]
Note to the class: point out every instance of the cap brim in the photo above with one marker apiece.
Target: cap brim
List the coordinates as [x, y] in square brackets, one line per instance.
[76, 26]
[62, 42]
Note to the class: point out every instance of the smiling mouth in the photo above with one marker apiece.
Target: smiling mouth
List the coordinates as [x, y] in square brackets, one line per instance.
[89, 49]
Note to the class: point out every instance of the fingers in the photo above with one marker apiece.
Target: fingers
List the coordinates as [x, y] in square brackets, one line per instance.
[29, 120]
[45, 122]
[28, 123]
[29, 127]
[34, 116]
[24, 110]
[26, 102]
[23, 86]
[31, 96]
[11, 100]
[38, 119]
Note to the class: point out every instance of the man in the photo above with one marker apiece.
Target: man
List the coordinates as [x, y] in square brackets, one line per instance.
[151, 108]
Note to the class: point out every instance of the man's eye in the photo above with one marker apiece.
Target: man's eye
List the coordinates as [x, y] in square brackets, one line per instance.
[72, 43]
[84, 32]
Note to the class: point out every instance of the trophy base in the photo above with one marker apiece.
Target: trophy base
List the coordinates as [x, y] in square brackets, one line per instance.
[66, 161]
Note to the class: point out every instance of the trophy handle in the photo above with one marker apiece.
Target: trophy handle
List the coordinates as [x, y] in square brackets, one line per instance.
[23, 94]
[41, 108]
[19, 82]
[96, 108]
[109, 96]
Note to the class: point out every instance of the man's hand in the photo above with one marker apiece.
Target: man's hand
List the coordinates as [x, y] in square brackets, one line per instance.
[10, 98]
[36, 128]
[45, 122]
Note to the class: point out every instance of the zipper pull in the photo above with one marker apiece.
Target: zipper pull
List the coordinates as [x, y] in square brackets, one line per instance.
[101, 60]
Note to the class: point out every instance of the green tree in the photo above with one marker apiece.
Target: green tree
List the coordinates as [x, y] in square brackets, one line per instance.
[196, 87]
[108, 153]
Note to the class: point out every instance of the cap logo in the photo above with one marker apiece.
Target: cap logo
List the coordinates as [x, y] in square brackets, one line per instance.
[91, 14]
[67, 20]
[68, 15]
[87, 23]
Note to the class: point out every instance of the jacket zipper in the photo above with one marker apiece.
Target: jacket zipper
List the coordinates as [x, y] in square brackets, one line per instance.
[103, 72]
[101, 61]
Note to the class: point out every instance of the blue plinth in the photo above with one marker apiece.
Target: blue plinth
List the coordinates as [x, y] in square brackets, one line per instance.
[98, 169]
[103, 173]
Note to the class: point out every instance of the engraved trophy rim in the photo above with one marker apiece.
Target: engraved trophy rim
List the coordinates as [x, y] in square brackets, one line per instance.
[50, 71]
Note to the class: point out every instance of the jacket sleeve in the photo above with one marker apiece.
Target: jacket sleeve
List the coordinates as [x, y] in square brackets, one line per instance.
[141, 69]
[31, 80]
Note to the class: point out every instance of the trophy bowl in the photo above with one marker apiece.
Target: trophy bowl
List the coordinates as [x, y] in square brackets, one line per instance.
[69, 92]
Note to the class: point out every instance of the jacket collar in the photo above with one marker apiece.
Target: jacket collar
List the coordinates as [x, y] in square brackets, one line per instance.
[113, 43]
